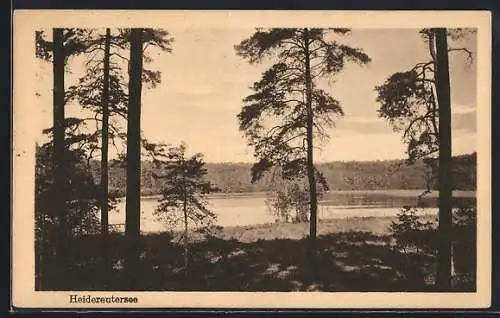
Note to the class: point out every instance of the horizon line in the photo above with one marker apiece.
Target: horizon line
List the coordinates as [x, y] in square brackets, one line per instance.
[319, 162]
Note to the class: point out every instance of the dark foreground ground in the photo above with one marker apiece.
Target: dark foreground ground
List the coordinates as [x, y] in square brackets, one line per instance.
[354, 255]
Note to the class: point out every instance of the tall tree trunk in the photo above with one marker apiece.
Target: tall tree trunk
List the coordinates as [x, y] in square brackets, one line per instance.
[442, 78]
[62, 236]
[133, 205]
[186, 263]
[310, 161]
[104, 155]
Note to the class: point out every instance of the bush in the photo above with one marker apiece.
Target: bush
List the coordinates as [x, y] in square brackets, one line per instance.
[82, 207]
[416, 238]
[290, 202]
[410, 233]
[464, 241]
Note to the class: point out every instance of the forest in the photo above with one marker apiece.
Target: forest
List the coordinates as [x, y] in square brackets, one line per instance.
[355, 175]
[284, 118]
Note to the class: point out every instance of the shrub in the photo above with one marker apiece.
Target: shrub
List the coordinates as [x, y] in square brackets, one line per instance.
[290, 202]
[410, 233]
[416, 238]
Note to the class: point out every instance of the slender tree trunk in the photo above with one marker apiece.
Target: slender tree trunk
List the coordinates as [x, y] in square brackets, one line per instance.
[186, 262]
[104, 156]
[442, 77]
[310, 161]
[59, 160]
[133, 203]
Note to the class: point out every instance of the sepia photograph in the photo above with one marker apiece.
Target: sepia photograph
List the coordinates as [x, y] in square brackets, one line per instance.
[254, 154]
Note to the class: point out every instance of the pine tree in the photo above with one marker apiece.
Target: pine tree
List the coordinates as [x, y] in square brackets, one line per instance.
[417, 102]
[132, 205]
[288, 111]
[65, 43]
[184, 192]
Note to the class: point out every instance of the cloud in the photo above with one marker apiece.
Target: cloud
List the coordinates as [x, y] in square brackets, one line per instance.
[204, 82]
[364, 125]
[463, 108]
[464, 121]
[359, 146]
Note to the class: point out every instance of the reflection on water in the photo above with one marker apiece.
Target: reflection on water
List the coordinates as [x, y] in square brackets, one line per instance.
[252, 209]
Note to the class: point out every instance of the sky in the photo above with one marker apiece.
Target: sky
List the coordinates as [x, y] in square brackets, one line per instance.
[204, 82]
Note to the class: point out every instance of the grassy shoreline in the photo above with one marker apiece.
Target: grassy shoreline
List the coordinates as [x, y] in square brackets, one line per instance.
[377, 225]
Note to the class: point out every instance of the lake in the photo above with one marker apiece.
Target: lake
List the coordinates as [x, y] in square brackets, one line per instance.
[251, 208]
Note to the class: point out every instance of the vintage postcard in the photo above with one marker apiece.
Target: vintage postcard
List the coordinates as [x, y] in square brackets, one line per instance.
[251, 159]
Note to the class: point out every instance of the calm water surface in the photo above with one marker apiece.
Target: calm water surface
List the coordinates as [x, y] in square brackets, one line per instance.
[238, 210]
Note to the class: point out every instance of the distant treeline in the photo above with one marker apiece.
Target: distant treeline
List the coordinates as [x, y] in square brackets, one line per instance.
[353, 175]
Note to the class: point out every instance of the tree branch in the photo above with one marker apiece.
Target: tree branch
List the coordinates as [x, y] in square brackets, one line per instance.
[120, 56]
[92, 49]
[468, 52]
